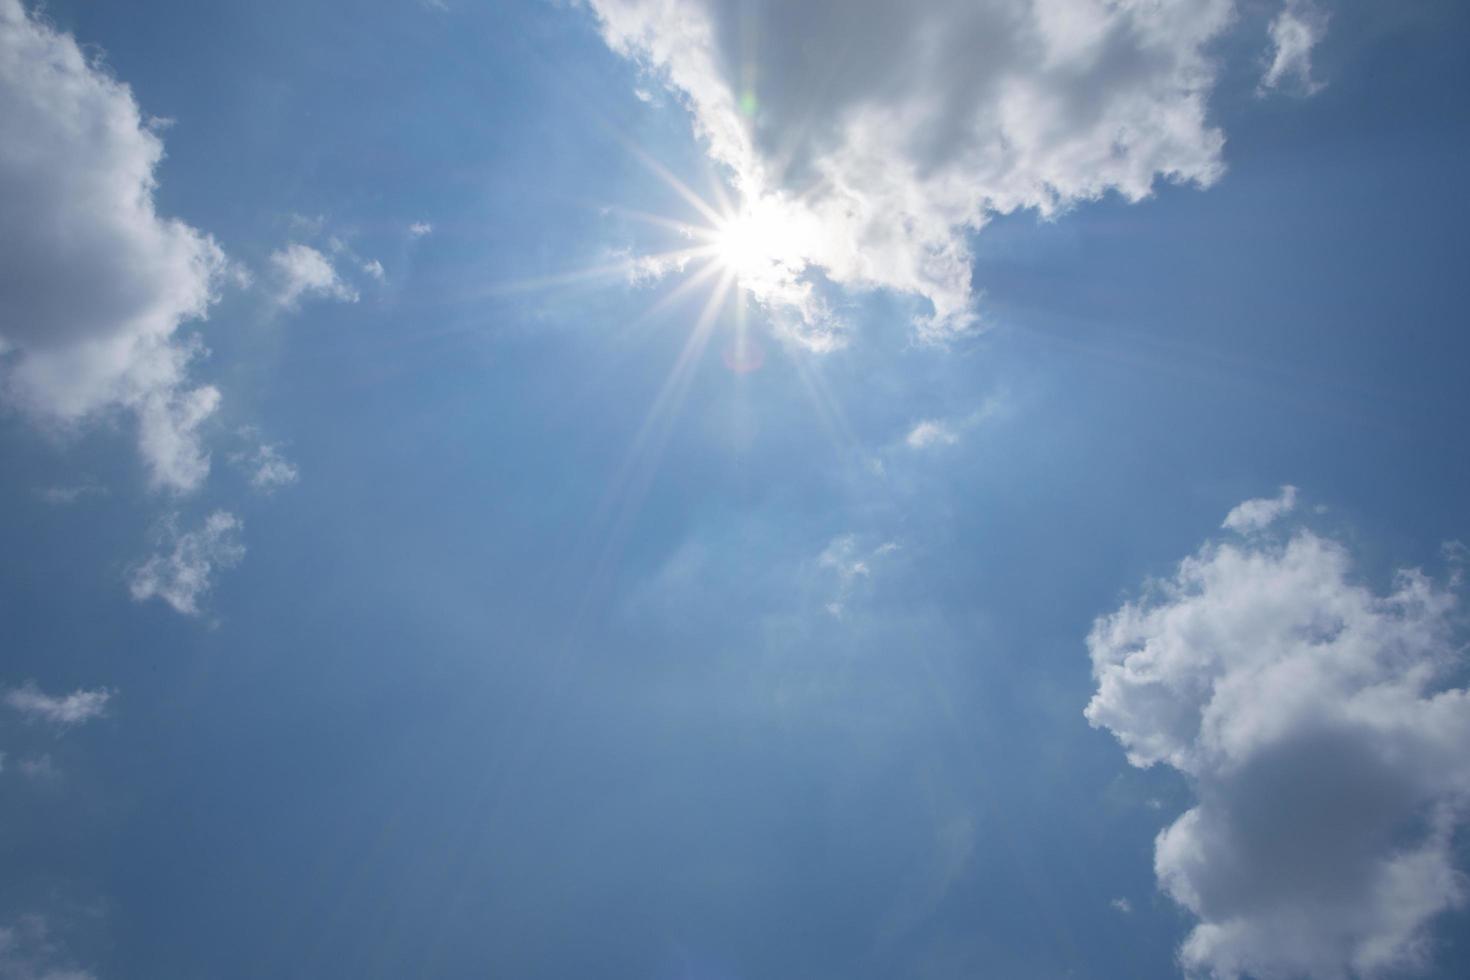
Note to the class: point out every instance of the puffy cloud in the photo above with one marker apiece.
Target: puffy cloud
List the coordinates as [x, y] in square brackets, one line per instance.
[374, 268]
[1295, 31]
[419, 229]
[68, 709]
[302, 272]
[1254, 515]
[1326, 750]
[180, 572]
[95, 282]
[870, 138]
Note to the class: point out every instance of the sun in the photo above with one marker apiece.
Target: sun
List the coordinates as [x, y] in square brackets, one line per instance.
[744, 244]
[762, 244]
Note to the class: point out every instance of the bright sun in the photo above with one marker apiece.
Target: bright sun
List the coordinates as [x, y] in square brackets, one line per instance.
[754, 243]
[742, 245]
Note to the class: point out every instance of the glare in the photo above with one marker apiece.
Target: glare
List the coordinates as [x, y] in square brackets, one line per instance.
[748, 244]
[765, 244]
[757, 250]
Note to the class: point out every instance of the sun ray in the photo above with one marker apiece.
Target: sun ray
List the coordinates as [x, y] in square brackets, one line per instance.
[622, 267]
[627, 490]
[829, 412]
[706, 210]
[684, 228]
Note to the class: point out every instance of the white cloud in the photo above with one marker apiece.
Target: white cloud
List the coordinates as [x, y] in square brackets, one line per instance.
[644, 270]
[1121, 905]
[68, 709]
[851, 562]
[374, 268]
[1329, 760]
[931, 432]
[180, 572]
[928, 433]
[302, 272]
[168, 427]
[877, 136]
[306, 225]
[27, 952]
[419, 229]
[1260, 513]
[63, 495]
[95, 282]
[39, 767]
[1295, 31]
[264, 465]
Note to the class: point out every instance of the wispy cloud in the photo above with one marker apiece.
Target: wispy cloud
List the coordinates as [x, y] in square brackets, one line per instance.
[264, 465]
[303, 272]
[29, 952]
[850, 562]
[63, 710]
[182, 571]
[1295, 32]
[1260, 513]
[61, 496]
[931, 432]
[39, 767]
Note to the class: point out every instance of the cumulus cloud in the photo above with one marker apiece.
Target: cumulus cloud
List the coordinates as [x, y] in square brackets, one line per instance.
[1295, 31]
[302, 272]
[180, 572]
[66, 710]
[1262, 512]
[875, 136]
[1327, 751]
[96, 282]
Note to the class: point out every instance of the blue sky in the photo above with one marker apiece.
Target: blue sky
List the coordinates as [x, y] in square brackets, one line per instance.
[1015, 533]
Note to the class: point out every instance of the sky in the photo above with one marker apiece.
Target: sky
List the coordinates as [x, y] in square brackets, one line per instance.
[725, 489]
